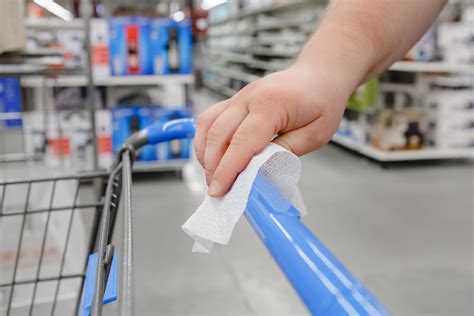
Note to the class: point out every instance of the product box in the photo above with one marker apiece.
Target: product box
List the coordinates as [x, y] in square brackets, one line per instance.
[399, 130]
[455, 40]
[159, 38]
[66, 139]
[129, 46]
[34, 134]
[72, 42]
[125, 122]
[104, 138]
[99, 37]
[171, 46]
[184, 29]
[10, 100]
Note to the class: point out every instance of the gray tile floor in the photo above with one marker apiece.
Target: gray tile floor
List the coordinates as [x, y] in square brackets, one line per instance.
[405, 232]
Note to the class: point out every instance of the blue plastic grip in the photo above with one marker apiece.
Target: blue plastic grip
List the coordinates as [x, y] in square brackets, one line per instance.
[171, 130]
[88, 290]
[321, 281]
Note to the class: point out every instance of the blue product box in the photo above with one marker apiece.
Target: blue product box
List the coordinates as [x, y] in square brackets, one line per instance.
[10, 100]
[159, 37]
[129, 48]
[185, 46]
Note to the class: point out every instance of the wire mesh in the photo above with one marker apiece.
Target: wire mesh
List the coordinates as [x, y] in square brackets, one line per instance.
[48, 227]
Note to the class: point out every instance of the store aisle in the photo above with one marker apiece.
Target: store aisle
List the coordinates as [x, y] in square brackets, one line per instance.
[413, 251]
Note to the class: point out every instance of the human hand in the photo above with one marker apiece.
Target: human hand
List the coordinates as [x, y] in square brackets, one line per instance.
[302, 108]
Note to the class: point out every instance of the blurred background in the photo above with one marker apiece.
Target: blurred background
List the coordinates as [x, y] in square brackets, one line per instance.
[391, 195]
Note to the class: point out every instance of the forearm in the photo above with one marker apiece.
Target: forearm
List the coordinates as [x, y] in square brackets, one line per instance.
[360, 38]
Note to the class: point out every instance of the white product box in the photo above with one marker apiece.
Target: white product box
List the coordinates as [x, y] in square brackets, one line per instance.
[34, 134]
[99, 36]
[72, 41]
[450, 33]
[459, 54]
[75, 127]
[104, 138]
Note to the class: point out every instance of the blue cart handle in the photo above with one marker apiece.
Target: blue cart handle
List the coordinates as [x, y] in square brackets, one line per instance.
[321, 281]
[162, 132]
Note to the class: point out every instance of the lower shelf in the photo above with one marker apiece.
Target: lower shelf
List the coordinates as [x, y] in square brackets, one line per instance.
[155, 166]
[403, 155]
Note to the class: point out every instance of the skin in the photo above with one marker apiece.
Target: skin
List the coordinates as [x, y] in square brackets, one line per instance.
[304, 104]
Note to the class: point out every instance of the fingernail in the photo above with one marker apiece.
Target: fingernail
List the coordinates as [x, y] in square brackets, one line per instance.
[214, 188]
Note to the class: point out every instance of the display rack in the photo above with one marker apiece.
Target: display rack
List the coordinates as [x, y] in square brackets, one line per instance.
[290, 5]
[241, 51]
[36, 79]
[81, 80]
[402, 155]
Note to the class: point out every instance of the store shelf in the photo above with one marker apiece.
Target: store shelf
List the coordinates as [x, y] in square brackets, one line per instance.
[272, 26]
[226, 91]
[81, 80]
[291, 4]
[53, 23]
[399, 87]
[234, 74]
[20, 69]
[145, 80]
[263, 51]
[403, 155]
[159, 166]
[252, 62]
[436, 67]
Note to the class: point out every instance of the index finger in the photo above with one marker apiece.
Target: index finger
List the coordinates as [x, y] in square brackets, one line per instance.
[252, 136]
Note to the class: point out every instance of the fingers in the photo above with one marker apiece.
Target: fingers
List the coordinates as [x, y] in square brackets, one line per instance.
[305, 139]
[219, 136]
[251, 137]
[203, 123]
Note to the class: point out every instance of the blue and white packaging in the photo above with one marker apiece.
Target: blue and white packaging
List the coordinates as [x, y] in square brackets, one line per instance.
[185, 46]
[159, 38]
[125, 121]
[129, 48]
[10, 100]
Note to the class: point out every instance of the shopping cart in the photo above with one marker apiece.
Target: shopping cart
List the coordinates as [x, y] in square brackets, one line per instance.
[321, 281]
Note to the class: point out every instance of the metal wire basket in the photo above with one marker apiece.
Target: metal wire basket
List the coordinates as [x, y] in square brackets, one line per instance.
[48, 226]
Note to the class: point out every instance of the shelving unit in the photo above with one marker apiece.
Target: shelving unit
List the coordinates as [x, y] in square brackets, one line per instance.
[290, 5]
[54, 23]
[245, 47]
[81, 80]
[432, 67]
[38, 78]
[402, 155]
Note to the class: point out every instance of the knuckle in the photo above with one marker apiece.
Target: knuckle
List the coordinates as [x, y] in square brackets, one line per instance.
[213, 133]
[317, 139]
[264, 99]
